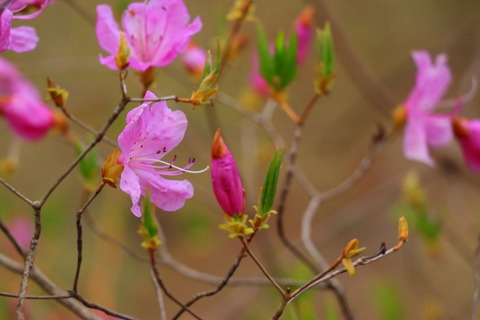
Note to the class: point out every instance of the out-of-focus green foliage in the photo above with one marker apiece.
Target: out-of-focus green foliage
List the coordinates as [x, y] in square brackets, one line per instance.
[386, 297]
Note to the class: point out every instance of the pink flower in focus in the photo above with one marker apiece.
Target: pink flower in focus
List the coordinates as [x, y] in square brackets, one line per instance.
[151, 132]
[156, 32]
[304, 30]
[423, 128]
[467, 133]
[21, 104]
[226, 181]
[194, 59]
[23, 38]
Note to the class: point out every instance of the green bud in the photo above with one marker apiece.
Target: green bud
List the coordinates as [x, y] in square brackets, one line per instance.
[148, 219]
[280, 67]
[325, 60]
[88, 166]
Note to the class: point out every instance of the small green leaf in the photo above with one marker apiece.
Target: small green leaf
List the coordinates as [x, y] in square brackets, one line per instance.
[88, 165]
[265, 59]
[270, 185]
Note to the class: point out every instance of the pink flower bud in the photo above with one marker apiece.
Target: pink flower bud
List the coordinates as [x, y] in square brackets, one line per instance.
[467, 133]
[226, 181]
[304, 30]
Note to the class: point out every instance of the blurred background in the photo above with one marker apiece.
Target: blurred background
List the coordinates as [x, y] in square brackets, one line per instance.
[431, 278]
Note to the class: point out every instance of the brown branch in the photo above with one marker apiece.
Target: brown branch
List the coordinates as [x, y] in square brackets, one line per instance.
[261, 267]
[46, 284]
[95, 306]
[161, 284]
[80, 232]
[16, 192]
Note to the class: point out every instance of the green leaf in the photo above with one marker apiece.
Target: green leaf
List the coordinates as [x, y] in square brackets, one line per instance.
[270, 185]
[265, 59]
[290, 64]
[88, 165]
[325, 50]
[388, 302]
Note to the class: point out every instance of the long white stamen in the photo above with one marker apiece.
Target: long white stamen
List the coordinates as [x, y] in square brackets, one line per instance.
[170, 165]
[462, 98]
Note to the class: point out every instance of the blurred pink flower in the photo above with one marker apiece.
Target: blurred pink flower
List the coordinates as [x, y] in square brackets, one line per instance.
[423, 128]
[21, 104]
[23, 38]
[304, 30]
[156, 32]
[194, 59]
[226, 181]
[22, 230]
[151, 132]
[258, 83]
[467, 133]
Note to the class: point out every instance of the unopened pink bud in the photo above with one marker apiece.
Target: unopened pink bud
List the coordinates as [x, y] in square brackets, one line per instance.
[226, 181]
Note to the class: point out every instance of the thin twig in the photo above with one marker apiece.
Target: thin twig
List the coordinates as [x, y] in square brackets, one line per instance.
[261, 267]
[160, 282]
[96, 306]
[160, 300]
[120, 107]
[16, 192]
[80, 232]
[29, 261]
[46, 284]
[52, 297]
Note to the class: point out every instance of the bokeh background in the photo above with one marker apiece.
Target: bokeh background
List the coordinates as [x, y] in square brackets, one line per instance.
[431, 278]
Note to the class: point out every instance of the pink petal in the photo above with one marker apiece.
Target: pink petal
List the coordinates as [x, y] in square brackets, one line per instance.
[30, 119]
[5, 24]
[130, 184]
[438, 130]
[431, 82]
[471, 144]
[23, 39]
[168, 195]
[20, 5]
[108, 33]
[176, 41]
[415, 145]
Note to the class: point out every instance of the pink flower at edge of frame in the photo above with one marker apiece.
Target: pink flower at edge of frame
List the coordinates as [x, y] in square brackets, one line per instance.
[20, 39]
[423, 128]
[21, 104]
[156, 32]
[151, 132]
[467, 133]
[226, 181]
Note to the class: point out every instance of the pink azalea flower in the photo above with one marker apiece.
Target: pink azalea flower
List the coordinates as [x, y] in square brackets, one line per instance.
[194, 59]
[21, 104]
[156, 32]
[23, 38]
[151, 132]
[423, 128]
[226, 181]
[467, 133]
